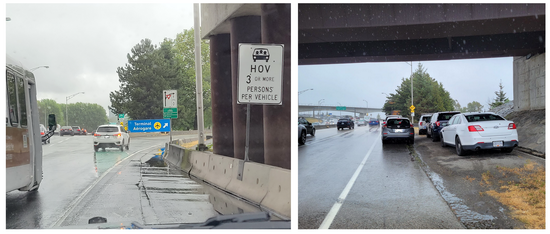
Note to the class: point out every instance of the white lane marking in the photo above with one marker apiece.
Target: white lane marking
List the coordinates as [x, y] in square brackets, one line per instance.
[78, 199]
[336, 207]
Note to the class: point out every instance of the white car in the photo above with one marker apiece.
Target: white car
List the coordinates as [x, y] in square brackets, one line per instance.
[111, 136]
[423, 123]
[475, 131]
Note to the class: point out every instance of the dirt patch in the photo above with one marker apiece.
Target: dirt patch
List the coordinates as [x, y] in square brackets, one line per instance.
[530, 125]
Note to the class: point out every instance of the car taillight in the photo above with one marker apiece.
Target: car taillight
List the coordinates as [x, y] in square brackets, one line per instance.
[95, 134]
[437, 123]
[412, 126]
[420, 124]
[41, 133]
[512, 126]
[117, 135]
[475, 128]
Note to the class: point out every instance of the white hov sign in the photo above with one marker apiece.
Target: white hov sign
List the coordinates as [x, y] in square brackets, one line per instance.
[170, 99]
[260, 74]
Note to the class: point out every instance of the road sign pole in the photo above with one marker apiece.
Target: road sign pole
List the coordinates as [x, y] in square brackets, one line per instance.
[170, 131]
[247, 132]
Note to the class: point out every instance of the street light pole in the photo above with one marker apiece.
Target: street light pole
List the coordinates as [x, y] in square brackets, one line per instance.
[67, 104]
[412, 97]
[367, 112]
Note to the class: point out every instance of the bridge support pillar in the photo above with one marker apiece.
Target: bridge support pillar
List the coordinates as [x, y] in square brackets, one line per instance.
[245, 29]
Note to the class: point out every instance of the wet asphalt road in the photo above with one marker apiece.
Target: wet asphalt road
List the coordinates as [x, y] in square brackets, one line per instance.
[80, 184]
[390, 192]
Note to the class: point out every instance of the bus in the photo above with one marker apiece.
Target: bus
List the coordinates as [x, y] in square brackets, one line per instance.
[23, 139]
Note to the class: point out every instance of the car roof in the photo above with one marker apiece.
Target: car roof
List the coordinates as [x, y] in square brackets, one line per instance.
[108, 125]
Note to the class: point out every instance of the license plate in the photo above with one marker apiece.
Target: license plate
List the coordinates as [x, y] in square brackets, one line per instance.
[105, 136]
[498, 144]
[399, 130]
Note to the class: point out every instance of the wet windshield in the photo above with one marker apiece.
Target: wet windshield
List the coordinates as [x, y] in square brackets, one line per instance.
[131, 83]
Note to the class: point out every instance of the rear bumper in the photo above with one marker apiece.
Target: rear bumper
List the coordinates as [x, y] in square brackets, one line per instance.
[108, 143]
[397, 136]
[489, 145]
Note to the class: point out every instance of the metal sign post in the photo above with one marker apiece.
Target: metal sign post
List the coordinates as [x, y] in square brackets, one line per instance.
[170, 104]
[247, 132]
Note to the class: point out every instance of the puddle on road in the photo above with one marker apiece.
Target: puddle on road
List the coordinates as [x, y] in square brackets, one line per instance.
[174, 188]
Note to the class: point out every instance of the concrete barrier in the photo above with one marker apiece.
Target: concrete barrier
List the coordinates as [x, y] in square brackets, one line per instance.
[278, 191]
[266, 186]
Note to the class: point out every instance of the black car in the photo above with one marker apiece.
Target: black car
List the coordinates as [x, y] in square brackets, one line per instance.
[309, 127]
[345, 123]
[66, 130]
[398, 129]
[437, 122]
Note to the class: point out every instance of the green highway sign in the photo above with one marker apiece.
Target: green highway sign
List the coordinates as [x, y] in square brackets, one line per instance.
[170, 113]
[340, 108]
[120, 116]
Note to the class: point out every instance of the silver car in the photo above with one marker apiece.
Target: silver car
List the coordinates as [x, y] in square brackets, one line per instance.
[111, 136]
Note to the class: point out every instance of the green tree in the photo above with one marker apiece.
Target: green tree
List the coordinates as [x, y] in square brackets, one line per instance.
[473, 107]
[429, 96]
[500, 98]
[49, 106]
[86, 115]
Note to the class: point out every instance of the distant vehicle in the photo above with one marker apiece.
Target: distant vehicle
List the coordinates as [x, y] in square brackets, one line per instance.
[260, 54]
[423, 124]
[345, 123]
[111, 136]
[23, 138]
[66, 130]
[310, 127]
[78, 131]
[398, 129]
[361, 122]
[43, 133]
[302, 132]
[437, 122]
[85, 132]
[373, 122]
[475, 131]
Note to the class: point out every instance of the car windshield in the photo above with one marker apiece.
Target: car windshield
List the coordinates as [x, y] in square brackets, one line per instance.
[144, 78]
[403, 123]
[483, 117]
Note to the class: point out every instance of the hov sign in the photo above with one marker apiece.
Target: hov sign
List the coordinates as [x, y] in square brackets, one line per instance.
[260, 74]
[170, 99]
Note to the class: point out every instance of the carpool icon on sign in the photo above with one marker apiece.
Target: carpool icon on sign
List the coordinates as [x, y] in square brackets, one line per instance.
[157, 125]
[260, 54]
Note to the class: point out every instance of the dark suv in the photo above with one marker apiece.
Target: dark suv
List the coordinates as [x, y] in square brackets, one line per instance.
[345, 123]
[437, 122]
[309, 127]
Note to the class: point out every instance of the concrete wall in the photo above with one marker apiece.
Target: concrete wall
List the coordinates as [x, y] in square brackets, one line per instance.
[529, 82]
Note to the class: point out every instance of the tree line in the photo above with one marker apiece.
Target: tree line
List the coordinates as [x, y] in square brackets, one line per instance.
[86, 115]
[168, 66]
[430, 97]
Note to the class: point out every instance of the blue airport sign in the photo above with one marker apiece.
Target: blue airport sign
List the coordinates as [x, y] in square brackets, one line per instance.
[149, 125]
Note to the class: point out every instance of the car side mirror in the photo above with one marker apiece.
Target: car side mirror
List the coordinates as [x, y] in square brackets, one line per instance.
[51, 122]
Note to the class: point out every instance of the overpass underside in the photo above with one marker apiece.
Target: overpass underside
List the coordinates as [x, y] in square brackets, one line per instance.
[351, 33]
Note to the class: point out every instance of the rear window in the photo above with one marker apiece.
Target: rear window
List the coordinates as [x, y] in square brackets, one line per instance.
[107, 129]
[446, 116]
[483, 117]
[427, 118]
[404, 123]
[342, 121]
[76, 128]
[66, 127]
[373, 120]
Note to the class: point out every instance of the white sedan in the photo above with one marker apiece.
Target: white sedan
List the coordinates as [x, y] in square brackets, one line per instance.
[475, 131]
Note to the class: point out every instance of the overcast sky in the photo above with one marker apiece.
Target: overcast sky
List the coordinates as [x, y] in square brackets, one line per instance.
[83, 44]
[466, 80]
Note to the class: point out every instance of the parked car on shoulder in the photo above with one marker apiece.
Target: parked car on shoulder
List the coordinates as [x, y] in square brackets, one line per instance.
[345, 123]
[398, 129]
[309, 126]
[423, 124]
[66, 130]
[437, 122]
[475, 131]
[111, 136]
[302, 132]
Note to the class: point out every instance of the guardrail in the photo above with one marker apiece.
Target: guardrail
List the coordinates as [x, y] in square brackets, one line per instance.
[264, 185]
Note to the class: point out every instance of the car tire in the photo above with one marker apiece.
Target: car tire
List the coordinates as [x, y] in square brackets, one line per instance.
[428, 135]
[312, 132]
[128, 145]
[96, 148]
[458, 146]
[434, 138]
[507, 150]
[442, 141]
[302, 139]
[122, 147]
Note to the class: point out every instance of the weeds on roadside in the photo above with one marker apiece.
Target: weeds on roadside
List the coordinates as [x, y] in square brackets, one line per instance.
[526, 196]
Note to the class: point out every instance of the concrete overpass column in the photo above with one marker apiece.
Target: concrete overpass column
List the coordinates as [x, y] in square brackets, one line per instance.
[529, 82]
[276, 30]
[245, 29]
[222, 108]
